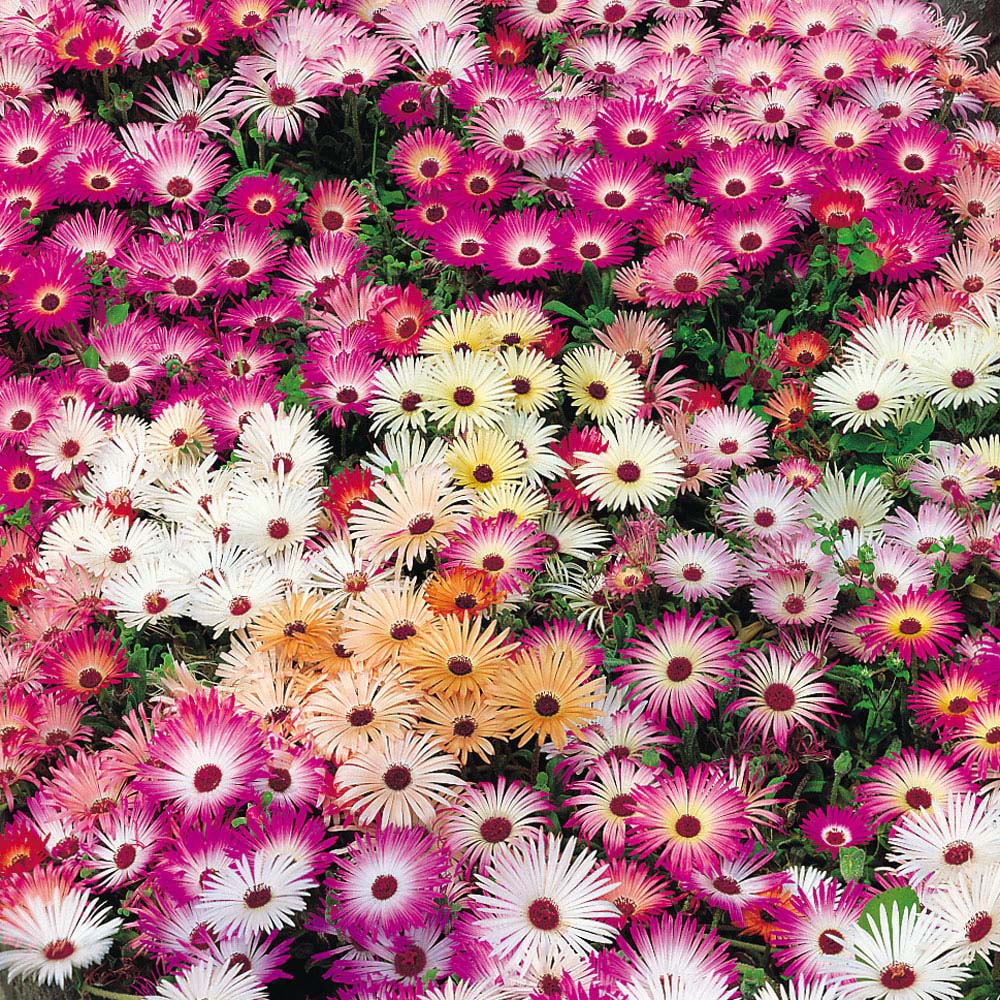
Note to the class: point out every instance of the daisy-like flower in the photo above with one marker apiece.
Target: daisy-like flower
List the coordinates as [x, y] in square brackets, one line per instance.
[683, 272]
[460, 656]
[205, 757]
[50, 927]
[400, 781]
[538, 901]
[726, 437]
[761, 506]
[961, 365]
[601, 385]
[212, 980]
[944, 701]
[946, 842]
[863, 393]
[688, 819]
[507, 549]
[783, 692]
[464, 723]
[357, 707]
[678, 666]
[603, 804]
[278, 92]
[694, 566]
[795, 598]
[813, 931]
[467, 389]
[86, 662]
[918, 623]
[969, 910]
[639, 467]
[180, 171]
[408, 514]
[48, 292]
[851, 504]
[676, 949]
[900, 953]
[387, 882]
[385, 623]
[979, 739]
[490, 819]
[521, 246]
[512, 130]
[910, 780]
[833, 828]
[256, 894]
[546, 695]
[733, 884]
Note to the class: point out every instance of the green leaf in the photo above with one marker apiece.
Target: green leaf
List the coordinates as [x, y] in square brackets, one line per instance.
[744, 396]
[913, 435]
[651, 758]
[903, 896]
[870, 471]
[865, 260]
[594, 284]
[846, 238]
[561, 309]
[852, 863]
[736, 363]
[117, 313]
[542, 781]
[236, 138]
[90, 358]
[865, 443]
[291, 385]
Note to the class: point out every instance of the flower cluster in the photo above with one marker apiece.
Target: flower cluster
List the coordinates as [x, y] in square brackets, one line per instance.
[526, 529]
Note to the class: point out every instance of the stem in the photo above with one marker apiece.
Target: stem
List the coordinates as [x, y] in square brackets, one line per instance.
[104, 85]
[110, 994]
[261, 146]
[761, 949]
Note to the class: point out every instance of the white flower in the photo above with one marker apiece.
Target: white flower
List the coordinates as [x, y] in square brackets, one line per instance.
[863, 393]
[49, 929]
[268, 516]
[283, 446]
[901, 955]
[946, 842]
[256, 894]
[71, 438]
[537, 900]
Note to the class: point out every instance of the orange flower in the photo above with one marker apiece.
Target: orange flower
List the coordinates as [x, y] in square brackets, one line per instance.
[461, 592]
[790, 405]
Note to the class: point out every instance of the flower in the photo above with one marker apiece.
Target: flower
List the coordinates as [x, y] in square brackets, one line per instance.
[834, 828]
[50, 927]
[546, 696]
[639, 467]
[678, 666]
[687, 819]
[387, 882]
[205, 756]
[399, 780]
[538, 900]
[783, 692]
[918, 623]
[899, 952]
